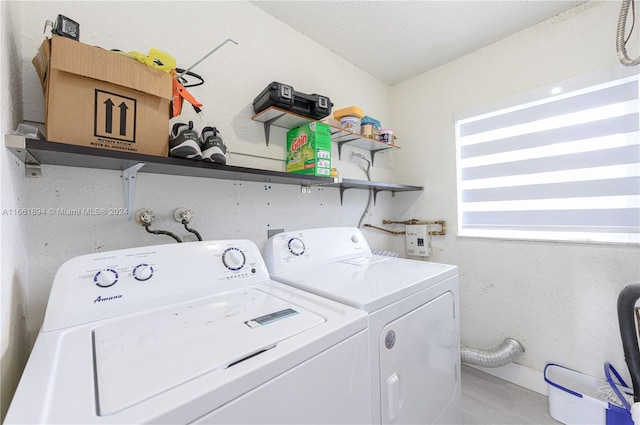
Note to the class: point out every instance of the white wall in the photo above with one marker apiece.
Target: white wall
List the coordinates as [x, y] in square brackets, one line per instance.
[558, 299]
[267, 51]
[13, 273]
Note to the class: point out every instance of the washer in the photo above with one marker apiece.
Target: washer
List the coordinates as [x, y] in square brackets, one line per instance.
[191, 333]
[412, 306]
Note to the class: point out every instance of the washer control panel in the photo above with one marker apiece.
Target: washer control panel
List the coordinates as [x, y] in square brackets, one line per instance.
[107, 284]
[289, 251]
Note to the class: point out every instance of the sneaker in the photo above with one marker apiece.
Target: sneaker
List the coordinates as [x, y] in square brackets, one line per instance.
[213, 149]
[183, 142]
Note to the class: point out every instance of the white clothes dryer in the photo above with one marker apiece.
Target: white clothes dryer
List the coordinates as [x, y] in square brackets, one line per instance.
[413, 315]
[191, 333]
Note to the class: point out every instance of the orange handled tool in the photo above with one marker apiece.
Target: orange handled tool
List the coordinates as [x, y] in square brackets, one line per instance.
[179, 94]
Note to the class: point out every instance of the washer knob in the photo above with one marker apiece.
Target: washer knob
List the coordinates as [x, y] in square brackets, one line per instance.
[296, 246]
[142, 272]
[233, 259]
[105, 278]
[354, 238]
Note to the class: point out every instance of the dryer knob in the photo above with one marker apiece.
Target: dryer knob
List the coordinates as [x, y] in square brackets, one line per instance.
[354, 238]
[142, 272]
[105, 278]
[296, 246]
[233, 259]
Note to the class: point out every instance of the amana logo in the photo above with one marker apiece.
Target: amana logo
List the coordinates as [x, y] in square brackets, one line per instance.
[101, 299]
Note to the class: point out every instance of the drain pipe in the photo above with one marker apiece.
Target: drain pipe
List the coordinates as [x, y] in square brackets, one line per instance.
[501, 355]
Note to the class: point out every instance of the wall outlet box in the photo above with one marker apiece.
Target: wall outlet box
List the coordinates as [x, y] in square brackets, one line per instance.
[418, 240]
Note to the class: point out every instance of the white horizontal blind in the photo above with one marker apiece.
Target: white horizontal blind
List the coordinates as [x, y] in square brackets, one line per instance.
[562, 168]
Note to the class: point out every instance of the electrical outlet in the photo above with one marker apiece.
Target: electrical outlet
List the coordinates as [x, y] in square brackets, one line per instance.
[305, 189]
[272, 232]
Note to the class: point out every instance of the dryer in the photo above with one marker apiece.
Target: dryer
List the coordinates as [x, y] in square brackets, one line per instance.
[191, 333]
[413, 316]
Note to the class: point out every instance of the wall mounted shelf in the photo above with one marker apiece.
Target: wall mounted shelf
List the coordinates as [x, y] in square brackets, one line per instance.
[36, 152]
[273, 116]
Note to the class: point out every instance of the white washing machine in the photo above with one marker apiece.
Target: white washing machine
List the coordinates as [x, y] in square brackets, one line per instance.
[191, 333]
[413, 316]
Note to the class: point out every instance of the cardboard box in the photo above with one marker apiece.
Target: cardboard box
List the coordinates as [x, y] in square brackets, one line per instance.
[97, 98]
[309, 149]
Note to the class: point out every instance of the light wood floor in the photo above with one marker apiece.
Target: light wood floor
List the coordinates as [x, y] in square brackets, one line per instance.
[490, 400]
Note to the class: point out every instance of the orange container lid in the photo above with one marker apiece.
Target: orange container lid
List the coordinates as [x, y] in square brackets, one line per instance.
[351, 111]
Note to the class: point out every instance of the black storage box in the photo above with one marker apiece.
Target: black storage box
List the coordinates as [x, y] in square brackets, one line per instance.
[282, 96]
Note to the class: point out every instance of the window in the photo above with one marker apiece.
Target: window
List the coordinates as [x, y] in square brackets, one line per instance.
[564, 167]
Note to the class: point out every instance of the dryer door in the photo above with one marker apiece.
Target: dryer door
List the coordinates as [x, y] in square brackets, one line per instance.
[419, 353]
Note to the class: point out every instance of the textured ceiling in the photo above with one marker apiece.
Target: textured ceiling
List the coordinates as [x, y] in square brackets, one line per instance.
[397, 40]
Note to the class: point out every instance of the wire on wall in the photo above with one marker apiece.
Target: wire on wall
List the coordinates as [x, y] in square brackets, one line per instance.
[621, 41]
[366, 171]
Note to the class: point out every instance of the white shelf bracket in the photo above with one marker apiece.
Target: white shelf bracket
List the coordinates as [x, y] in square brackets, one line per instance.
[129, 178]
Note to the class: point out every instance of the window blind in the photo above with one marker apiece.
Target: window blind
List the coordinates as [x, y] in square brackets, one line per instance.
[562, 168]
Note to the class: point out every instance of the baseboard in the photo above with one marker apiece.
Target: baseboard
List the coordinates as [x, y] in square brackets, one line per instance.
[519, 375]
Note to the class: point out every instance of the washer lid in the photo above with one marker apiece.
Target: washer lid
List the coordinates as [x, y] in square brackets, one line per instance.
[368, 283]
[142, 356]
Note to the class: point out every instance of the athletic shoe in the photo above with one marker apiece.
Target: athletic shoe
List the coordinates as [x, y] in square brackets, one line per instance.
[184, 142]
[213, 149]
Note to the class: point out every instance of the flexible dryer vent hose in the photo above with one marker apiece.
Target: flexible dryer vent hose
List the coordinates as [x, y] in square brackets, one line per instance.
[501, 355]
